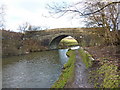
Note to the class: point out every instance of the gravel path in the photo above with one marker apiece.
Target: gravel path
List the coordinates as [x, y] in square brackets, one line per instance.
[81, 75]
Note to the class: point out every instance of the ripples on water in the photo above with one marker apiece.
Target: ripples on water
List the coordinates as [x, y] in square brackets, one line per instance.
[35, 70]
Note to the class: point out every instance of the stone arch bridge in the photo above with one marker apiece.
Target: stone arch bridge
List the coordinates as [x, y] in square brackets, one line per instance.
[50, 38]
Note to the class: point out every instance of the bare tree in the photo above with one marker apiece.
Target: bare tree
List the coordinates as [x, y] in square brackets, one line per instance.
[28, 27]
[2, 19]
[23, 27]
[99, 14]
[107, 17]
[34, 28]
[64, 8]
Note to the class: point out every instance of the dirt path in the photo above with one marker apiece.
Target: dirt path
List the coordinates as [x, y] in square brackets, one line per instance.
[81, 75]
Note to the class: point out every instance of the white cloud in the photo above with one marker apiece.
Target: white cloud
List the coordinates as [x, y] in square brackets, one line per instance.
[32, 11]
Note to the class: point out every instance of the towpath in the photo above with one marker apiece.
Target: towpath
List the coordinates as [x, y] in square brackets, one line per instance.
[81, 74]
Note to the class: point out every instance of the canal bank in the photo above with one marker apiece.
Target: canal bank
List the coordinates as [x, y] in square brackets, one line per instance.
[67, 74]
[75, 71]
[105, 70]
[99, 72]
[81, 72]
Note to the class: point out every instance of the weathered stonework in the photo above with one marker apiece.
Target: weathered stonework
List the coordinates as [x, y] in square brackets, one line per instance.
[51, 37]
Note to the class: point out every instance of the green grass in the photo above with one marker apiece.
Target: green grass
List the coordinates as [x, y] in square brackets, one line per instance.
[85, 58]
[68, 42]
[106, 76]
[68, 71]
[111, 77]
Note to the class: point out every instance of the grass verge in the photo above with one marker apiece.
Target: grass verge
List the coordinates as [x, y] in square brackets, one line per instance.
[106, 75]
[68, 72]
[85, 58]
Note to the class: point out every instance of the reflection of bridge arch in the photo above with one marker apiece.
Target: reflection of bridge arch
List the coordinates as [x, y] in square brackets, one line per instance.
[56, 40]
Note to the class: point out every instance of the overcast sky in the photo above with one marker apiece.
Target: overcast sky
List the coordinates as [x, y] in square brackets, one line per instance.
[33, 11]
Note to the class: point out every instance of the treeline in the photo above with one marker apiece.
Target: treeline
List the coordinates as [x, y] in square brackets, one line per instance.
[14, 43]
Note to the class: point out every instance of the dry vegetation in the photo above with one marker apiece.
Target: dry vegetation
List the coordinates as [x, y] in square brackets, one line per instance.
[14, 44]
[105, 70]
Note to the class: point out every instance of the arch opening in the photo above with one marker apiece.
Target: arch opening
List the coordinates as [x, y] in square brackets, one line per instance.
[63, 41]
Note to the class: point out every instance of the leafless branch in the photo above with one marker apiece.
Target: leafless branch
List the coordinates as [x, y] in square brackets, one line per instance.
[101, 8]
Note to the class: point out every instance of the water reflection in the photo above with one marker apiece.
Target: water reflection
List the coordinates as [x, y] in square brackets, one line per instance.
[62, 56]
[35, 70]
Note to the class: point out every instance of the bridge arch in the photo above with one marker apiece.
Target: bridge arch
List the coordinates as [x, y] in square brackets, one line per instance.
[54, 43]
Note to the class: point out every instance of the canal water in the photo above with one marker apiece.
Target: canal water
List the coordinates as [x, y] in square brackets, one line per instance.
[35, 70]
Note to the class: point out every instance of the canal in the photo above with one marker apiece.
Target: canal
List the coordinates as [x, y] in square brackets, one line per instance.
[35, 70]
